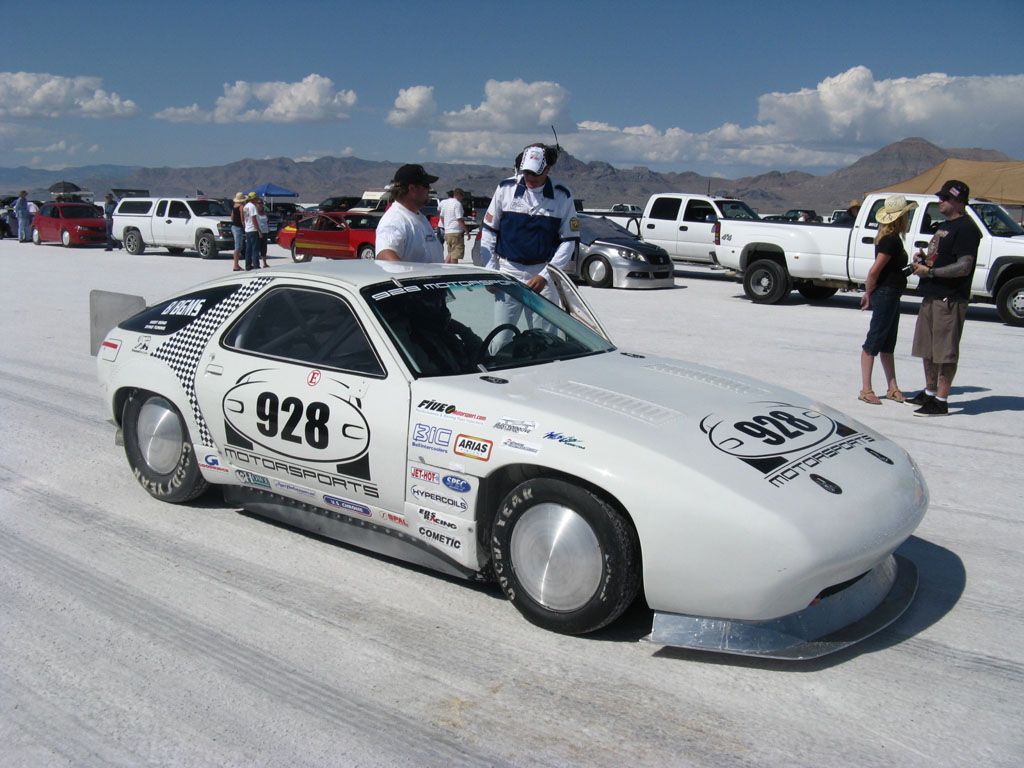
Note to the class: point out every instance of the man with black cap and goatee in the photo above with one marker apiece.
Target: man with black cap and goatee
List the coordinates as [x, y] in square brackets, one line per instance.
[946, 272]
[405, 234]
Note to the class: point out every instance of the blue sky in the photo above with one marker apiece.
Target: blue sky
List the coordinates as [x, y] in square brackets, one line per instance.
[726, 88]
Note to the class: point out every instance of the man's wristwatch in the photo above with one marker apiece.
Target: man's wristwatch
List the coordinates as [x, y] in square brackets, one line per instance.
[931, 272]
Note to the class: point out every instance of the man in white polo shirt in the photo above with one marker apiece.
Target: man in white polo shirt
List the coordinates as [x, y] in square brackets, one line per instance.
[453, 223]
[405, 234]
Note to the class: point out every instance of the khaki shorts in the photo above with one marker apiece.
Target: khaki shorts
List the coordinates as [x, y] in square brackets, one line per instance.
[456, 244]
[940, 324]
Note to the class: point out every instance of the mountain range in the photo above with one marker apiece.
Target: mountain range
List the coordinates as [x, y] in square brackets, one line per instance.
[597, 183]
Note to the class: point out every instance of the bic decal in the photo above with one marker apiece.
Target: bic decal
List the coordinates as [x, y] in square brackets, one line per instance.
[330, 428]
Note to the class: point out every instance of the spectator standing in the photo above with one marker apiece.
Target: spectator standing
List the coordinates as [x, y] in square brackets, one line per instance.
[108, 217]
[885, 284]
[404, 233]
[24, 215]
[946, 273]
[453, 223]
[237, 231]
[264, 224]
[530, 223]
[849, 216]
[251, 224]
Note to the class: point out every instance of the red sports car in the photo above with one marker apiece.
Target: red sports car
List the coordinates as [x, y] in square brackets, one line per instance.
[331, 235]
[69, 224]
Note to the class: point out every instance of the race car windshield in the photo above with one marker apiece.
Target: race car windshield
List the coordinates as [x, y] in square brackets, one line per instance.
[454, 327]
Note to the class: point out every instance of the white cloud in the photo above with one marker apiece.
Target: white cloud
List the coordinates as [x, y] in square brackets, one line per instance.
[58, 146]
[413, 106]
[312, 155]
[311, 99]
[513, 106]
[829, 125]
[37, 94]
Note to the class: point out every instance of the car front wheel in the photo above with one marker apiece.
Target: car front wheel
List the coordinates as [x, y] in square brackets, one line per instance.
[158, 449]
[1010, 301]
[766, 282]
[565, 557]
[35, 237]
[299, 258]
[366, 252]
[597, 272]
[65, 239]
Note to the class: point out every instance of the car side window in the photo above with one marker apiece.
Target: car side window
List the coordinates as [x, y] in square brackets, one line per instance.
[698, 210]
[178, 210]
[305, 326]
[871, 222]
[666, 208]
[931, 219]
[161, 208]
[48, 210]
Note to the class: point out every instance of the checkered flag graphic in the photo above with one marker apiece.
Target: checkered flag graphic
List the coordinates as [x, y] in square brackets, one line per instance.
[183, 349]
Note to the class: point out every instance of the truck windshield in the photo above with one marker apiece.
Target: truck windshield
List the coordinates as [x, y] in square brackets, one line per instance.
[209, 208]
[996, 220]
[735, 209]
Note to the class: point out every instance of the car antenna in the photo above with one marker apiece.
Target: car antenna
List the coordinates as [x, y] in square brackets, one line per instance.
[558, 147]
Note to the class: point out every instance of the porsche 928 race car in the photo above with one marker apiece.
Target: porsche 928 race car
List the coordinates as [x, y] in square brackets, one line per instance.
[450, 417]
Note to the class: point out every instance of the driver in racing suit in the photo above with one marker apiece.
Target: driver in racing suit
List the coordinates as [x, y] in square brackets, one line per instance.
[530, 223]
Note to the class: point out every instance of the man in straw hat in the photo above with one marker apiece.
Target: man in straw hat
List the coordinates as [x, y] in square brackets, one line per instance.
[946, 273]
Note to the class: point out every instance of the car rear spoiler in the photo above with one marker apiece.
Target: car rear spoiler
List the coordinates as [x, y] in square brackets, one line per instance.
[106, 310]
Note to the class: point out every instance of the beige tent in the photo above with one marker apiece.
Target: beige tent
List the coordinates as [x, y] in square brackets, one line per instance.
[999, 182]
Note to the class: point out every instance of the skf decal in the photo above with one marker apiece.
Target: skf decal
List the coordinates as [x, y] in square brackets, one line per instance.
[473, 447]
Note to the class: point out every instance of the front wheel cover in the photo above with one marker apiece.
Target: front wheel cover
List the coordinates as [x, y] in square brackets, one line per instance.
[158, 449]
[566, 558]
[597, 272]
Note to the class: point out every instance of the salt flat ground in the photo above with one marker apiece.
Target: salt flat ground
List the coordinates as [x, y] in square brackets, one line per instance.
[139, 633]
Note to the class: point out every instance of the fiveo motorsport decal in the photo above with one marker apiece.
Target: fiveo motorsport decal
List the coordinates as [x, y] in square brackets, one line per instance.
[473, 447]
[182, 350]
[322, 425]
[783, 441]
[447, 409]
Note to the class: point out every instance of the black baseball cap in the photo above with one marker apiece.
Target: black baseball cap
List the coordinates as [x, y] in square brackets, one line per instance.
[955, 190]
[413, 174]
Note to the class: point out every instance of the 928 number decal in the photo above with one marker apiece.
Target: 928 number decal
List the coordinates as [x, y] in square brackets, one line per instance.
[775, 428]
[314, 428]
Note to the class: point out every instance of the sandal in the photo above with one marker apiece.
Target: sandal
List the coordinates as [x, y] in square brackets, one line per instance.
[869, 396]
[237, 269]
[895, 395]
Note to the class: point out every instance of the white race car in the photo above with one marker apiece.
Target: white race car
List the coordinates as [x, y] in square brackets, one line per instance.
[450, 417]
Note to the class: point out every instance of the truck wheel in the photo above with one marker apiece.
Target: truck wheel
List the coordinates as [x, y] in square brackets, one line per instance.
[133, 242]
[366, 252]
[816, 292]
[158, 449]
[1010, 302]
[299, 258]
[597, 272]
[766, 282]
[565, 557]
[206, 246]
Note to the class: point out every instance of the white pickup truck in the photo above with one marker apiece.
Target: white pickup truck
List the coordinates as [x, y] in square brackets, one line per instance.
[819, 259]
[174, 223]
[682, 223]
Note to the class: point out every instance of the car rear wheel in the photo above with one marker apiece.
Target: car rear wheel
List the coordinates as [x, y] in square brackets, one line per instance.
[299, 258]
[567, 559]
[766, 282]
[366, 252]
[158, 449]
[206, 246]
[597, 272]
[816, 292]
[65, 239]
[35, 237]
[133, 242]
[1010, 301]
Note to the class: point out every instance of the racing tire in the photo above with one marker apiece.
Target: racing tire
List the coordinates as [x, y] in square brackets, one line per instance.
[597, 272]
[766, 282]
[565, 558]
[816, 292]
[65, 239]
[206, 246]
[1010, 301]
[35, 237]
[367, 252]
[159, 451]
[299, 258]
[175, 251]
[133, 242]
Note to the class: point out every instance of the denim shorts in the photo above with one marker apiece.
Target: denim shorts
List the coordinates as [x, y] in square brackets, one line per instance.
[885, 321]
[236, 232]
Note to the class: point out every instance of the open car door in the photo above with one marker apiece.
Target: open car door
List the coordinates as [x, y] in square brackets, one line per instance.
[573, 303]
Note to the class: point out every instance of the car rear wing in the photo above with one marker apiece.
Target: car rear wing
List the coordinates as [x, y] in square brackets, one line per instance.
[106, 310]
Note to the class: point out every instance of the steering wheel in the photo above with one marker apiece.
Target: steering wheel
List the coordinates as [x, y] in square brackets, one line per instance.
[534, 341]
[486, 343]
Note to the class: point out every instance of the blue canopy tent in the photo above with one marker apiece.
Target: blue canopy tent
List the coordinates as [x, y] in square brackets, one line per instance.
[272, 190]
